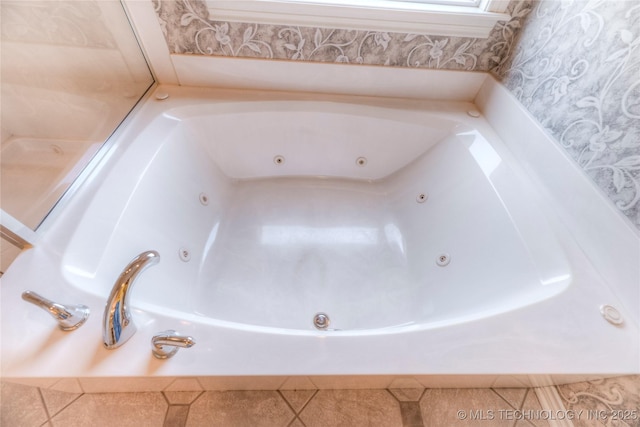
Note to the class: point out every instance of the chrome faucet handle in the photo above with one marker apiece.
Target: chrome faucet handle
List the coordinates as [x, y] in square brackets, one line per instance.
[170, 339]
[69, 317]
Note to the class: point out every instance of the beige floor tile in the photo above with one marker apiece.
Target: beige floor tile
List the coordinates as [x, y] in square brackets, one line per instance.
[184, 384]
[114, 409]
[239, 408]
[407, 394]
[464, 408]
[67, 385]
[532, 410]
[513, 396]
[124, 384]
[296, 423]
[352, 408]
[176, 416]
[298, 383]
[405, 382]
[411, 415]
[297, 398]
[55, 400]
[181, 397]
[21, 405]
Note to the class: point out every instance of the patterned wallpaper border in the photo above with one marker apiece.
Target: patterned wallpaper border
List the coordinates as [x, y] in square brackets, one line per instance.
[188, 29]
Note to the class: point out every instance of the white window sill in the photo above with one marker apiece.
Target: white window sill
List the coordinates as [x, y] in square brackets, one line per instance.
[374, 15]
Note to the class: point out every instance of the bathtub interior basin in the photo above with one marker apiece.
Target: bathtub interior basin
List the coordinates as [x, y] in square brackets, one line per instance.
[428, 250]
[267, 213]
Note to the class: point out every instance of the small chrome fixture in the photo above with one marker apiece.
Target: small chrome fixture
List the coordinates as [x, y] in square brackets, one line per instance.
[117, 322]
[361, 161]
[278, 160]
[473, 113]
[321, 321]
[204, 199]
[161, 96]
[167, 343]
[184, 254]
[421, 198]
[443, 259]
[611, 314]
[69, 317]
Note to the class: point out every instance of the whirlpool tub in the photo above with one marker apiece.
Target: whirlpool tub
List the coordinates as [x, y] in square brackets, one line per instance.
[324, 238]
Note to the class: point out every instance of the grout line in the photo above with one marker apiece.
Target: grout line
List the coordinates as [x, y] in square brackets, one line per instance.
[198, 397]
[394, 396]
[509, 403]
[44, 405]
[170, 384]
[526, 395]
[183, 420]
[165, 398]
[550, 399]
[295, 414]
[287, 402]
[308, 401]
[410, 402]
[529, 390]
[299, 420]
[68, 404]
[424, 390]
[166, 413]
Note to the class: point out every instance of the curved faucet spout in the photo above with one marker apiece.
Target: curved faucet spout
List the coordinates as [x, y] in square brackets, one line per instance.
[118, 324]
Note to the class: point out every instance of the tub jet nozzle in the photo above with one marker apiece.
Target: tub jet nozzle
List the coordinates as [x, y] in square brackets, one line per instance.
[321, 321]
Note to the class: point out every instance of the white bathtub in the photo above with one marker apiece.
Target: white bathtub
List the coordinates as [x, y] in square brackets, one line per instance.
[407, 223]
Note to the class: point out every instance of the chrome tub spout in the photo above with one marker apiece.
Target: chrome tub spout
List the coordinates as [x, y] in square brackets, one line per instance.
[69, 317]
[166, 344]
[118, 324]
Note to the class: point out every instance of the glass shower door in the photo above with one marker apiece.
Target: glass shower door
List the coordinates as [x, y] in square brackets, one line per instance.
[71, 72]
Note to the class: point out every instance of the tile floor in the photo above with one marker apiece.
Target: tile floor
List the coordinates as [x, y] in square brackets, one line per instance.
[27, 406]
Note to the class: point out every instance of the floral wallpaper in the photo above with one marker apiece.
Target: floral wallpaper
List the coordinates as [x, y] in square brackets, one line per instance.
[576, 68]
[189, 29]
